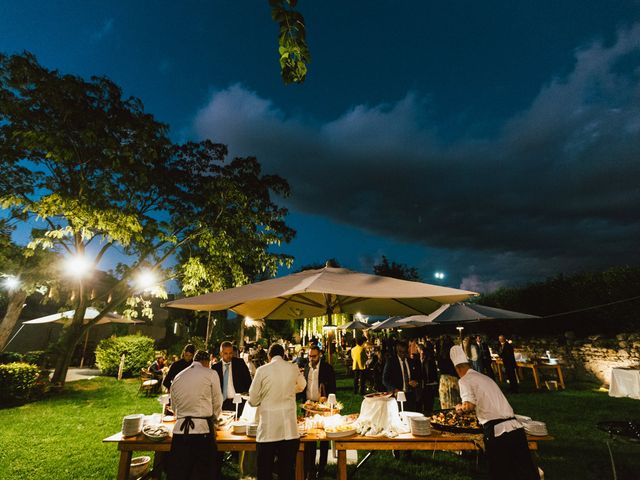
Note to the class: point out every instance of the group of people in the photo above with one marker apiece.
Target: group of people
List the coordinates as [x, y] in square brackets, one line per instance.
[200, 390]
[201, 385]
[428, 367]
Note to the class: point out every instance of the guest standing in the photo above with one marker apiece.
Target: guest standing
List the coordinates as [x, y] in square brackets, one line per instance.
[196, 398]
[505, 351]
[448, 390]
[470, 348]
[358, 366]
[234, 376]
[176, 367]
[401, 373]
[273, 392]
[485, 357]
[428, 376]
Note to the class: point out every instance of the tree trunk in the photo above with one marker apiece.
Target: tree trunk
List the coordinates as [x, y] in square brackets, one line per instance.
[14, 309]
[71, 335]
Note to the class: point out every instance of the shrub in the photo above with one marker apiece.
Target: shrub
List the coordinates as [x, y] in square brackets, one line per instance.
[140, 352]
[36, 357]
[10, 357]
[17, 381]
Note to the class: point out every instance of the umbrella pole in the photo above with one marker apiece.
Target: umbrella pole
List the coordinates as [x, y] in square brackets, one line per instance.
[84, 349]
[209, 328]
[11, 339]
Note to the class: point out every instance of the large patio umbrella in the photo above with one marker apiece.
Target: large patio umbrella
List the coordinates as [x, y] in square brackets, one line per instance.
[396, 322]
[355, 325]
[89, 314]
[464, 312]
[325, 291]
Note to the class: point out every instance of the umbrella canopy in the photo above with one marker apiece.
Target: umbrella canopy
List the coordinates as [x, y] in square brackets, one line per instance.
[328, 290]
[397, 322]
[355, 325]
[464, 313]
[90, 314]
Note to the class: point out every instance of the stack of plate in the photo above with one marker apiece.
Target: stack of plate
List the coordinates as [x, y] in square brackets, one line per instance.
[132, 425]
[536, 428]
[420, 426]
[252, 429]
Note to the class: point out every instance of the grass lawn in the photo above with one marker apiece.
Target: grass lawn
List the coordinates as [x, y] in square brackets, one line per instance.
[60, 437]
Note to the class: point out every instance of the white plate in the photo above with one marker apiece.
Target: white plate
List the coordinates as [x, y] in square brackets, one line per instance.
[346, 433]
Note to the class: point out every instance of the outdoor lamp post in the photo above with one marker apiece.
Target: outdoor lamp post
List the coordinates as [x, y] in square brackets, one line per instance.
[459, 328]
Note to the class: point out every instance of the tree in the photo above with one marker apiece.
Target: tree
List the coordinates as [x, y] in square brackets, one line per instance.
[104, 176]
[396, 270]
[22, 273]
[292, 41]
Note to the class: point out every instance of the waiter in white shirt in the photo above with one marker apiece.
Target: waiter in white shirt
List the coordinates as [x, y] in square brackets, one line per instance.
[197, 402]
[273, 392]
[505, 441]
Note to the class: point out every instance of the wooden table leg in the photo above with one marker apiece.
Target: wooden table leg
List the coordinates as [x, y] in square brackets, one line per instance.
[536, 378]
[342, 465]
[300, 463]
[125, 463]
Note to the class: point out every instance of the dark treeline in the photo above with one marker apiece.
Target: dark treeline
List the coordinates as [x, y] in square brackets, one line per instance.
[566, 293]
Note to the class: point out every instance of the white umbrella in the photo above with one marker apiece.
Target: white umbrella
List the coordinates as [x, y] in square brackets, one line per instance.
[355, 325]
[325, 291]
[464, 313]
[395, 322]
[89, 314]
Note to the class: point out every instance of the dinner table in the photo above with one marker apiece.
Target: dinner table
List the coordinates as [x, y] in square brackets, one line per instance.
[536, 369]
[625, 382]
[229, 442]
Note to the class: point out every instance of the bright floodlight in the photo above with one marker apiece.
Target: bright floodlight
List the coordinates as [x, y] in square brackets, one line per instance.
[439, 275]
[11, 283]
[146, 280]
[78, 266]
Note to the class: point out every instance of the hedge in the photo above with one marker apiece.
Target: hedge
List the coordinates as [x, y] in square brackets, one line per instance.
[140, 352]
[17, 381]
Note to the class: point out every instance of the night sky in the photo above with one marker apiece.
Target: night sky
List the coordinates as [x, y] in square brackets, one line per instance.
[495, 141]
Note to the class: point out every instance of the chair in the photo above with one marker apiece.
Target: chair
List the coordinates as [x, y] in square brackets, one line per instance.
[148, 383]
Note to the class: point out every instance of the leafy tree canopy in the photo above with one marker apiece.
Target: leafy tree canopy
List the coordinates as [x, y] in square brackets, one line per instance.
[396, 270]
[292, 40]
[100, 173]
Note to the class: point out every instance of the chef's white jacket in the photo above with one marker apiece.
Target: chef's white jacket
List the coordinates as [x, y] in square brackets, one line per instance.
[195, 392]
[273, 392]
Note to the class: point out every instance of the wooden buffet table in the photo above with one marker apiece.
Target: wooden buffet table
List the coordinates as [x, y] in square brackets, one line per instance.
[436, 441]
[228, 442]
[535, 370]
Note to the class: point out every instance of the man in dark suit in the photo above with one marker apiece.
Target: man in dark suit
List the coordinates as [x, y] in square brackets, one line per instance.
[234, 376]
[509, 361]
[401, 373]
[321, 381]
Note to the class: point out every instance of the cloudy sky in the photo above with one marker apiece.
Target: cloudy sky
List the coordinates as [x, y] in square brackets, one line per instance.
[496, 141]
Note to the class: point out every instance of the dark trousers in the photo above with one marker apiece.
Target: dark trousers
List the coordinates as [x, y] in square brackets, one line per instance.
[510, 372]
[285, 451]
[310, 458]
[360, 381]
[428, 393]
[193, 457]
[509, 457]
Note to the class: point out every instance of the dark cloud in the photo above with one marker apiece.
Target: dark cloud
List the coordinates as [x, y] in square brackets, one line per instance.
[558, 189]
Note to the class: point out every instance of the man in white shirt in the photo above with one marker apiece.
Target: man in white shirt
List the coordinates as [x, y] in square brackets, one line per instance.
[197, 402]
[273, 392]
[505, 441]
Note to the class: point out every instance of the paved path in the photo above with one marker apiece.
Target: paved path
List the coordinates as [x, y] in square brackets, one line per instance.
[75, 373]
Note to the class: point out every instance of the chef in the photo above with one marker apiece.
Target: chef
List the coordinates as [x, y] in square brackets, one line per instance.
[197, 401]
[505, 441]
[273, 392]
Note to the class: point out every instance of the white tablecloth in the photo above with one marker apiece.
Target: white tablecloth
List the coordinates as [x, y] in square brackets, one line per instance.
[625, 382]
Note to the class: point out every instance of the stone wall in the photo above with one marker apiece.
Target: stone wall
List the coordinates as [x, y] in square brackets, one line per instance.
[589, 358]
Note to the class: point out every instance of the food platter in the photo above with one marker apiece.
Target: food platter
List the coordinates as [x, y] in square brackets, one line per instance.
[379, 395]
[321, 408]
[340, 431]
[450, 421]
